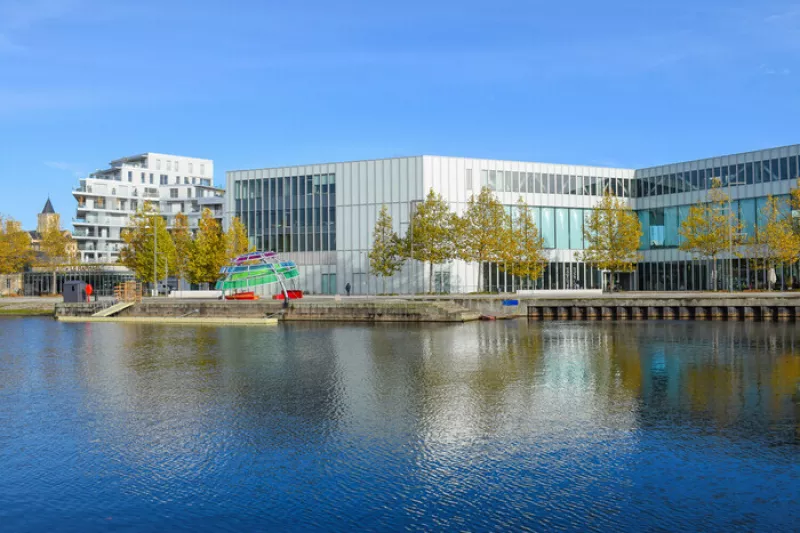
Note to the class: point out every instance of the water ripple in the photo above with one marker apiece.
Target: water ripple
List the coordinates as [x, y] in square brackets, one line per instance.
[483, 427]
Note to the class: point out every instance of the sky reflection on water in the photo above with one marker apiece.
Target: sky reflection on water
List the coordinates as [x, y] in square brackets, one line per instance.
[509, 425]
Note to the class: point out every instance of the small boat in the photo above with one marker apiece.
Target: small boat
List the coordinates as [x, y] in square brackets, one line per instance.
[488, 317]
[242, 296]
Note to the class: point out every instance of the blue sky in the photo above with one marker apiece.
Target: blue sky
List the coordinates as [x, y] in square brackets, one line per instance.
[263, 83]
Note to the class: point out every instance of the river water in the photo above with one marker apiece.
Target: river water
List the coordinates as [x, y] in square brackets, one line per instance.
[671, 426]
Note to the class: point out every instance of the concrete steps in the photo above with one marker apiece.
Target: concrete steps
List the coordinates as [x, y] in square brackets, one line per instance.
[114, 309]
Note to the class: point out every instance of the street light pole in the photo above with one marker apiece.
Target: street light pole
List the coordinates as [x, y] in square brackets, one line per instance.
[155, 261]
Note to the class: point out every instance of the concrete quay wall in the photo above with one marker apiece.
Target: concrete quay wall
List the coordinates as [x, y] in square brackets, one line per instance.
[461, 308]
[665, 307]
[325, 310]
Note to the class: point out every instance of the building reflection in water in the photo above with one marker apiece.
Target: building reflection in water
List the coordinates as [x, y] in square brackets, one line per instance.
[502, 424]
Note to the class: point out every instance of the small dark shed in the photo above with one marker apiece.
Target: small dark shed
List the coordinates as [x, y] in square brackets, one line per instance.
[74, 291]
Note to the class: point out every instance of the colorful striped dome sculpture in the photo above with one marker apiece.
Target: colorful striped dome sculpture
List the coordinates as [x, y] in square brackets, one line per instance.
[256, 269]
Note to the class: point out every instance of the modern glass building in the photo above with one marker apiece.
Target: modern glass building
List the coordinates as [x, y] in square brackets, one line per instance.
[665, 193]
[322, 216]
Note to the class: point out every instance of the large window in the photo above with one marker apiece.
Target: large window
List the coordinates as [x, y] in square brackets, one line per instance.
[562, 228]
[656, 228]
[548, 227]
[576, 229]
[290, 213]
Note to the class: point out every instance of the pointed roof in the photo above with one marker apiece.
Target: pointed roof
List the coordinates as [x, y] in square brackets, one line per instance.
[48, 208]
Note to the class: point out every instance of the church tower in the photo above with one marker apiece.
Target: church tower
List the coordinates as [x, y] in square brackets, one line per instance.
[47, 218]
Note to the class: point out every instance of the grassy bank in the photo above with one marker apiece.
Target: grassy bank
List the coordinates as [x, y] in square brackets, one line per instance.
[11, 311]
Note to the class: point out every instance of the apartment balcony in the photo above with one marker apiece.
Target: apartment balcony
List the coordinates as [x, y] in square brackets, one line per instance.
[100, 221]
[100, 247]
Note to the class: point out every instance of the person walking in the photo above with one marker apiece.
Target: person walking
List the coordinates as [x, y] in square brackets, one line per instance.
[347, 288]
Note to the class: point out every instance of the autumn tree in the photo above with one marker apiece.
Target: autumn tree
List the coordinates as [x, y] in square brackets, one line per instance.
[209, 251]
[236, 241]
[794, 201]
[709, 227]
[15, 247]
[54, 245]
[182, 238]
[525, 257]
[146, 236]
[385, 257]
[612, 233]
[431, 233]
[776, 243]
[484, 231]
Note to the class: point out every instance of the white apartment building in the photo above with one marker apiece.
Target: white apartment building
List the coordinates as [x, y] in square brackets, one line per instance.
[108, 198]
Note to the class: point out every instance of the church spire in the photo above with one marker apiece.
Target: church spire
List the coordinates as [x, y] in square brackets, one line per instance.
[48, 208]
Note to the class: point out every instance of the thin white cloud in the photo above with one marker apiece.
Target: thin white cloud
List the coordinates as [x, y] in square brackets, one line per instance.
[75, 170]
[8, 47]
[770, 71]
[784, 16]
[20, 15]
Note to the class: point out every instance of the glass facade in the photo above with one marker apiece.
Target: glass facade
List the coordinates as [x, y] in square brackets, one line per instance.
[660, 225]
[741, 273]
[554, 183]
[103, 283]
[288, 213]
[660, 181]
[290, 210]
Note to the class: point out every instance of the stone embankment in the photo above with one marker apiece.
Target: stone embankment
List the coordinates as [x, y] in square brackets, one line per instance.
[356, 310]
[27, 306]
[463, 308]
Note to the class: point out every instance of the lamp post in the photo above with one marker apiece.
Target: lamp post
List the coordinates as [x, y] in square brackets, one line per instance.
[155, 256]
[412, 206]
[154, 292]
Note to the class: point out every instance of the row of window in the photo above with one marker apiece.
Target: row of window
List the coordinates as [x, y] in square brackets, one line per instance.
[164, 179]
[316, 184]
[660, 226]
[175, 164]
[174, 193]
[556, 276]
[782, 168]
[559, 227]
[289, 213]
[545, 183]
[696, 275]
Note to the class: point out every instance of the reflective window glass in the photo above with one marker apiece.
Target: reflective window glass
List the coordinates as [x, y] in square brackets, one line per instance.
[656, 228]
[576, 229]
[548, 227]
[644, 220]
[562, 228]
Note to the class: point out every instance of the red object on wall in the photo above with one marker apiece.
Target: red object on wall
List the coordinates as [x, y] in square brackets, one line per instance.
[293, 295]
[242, 296]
